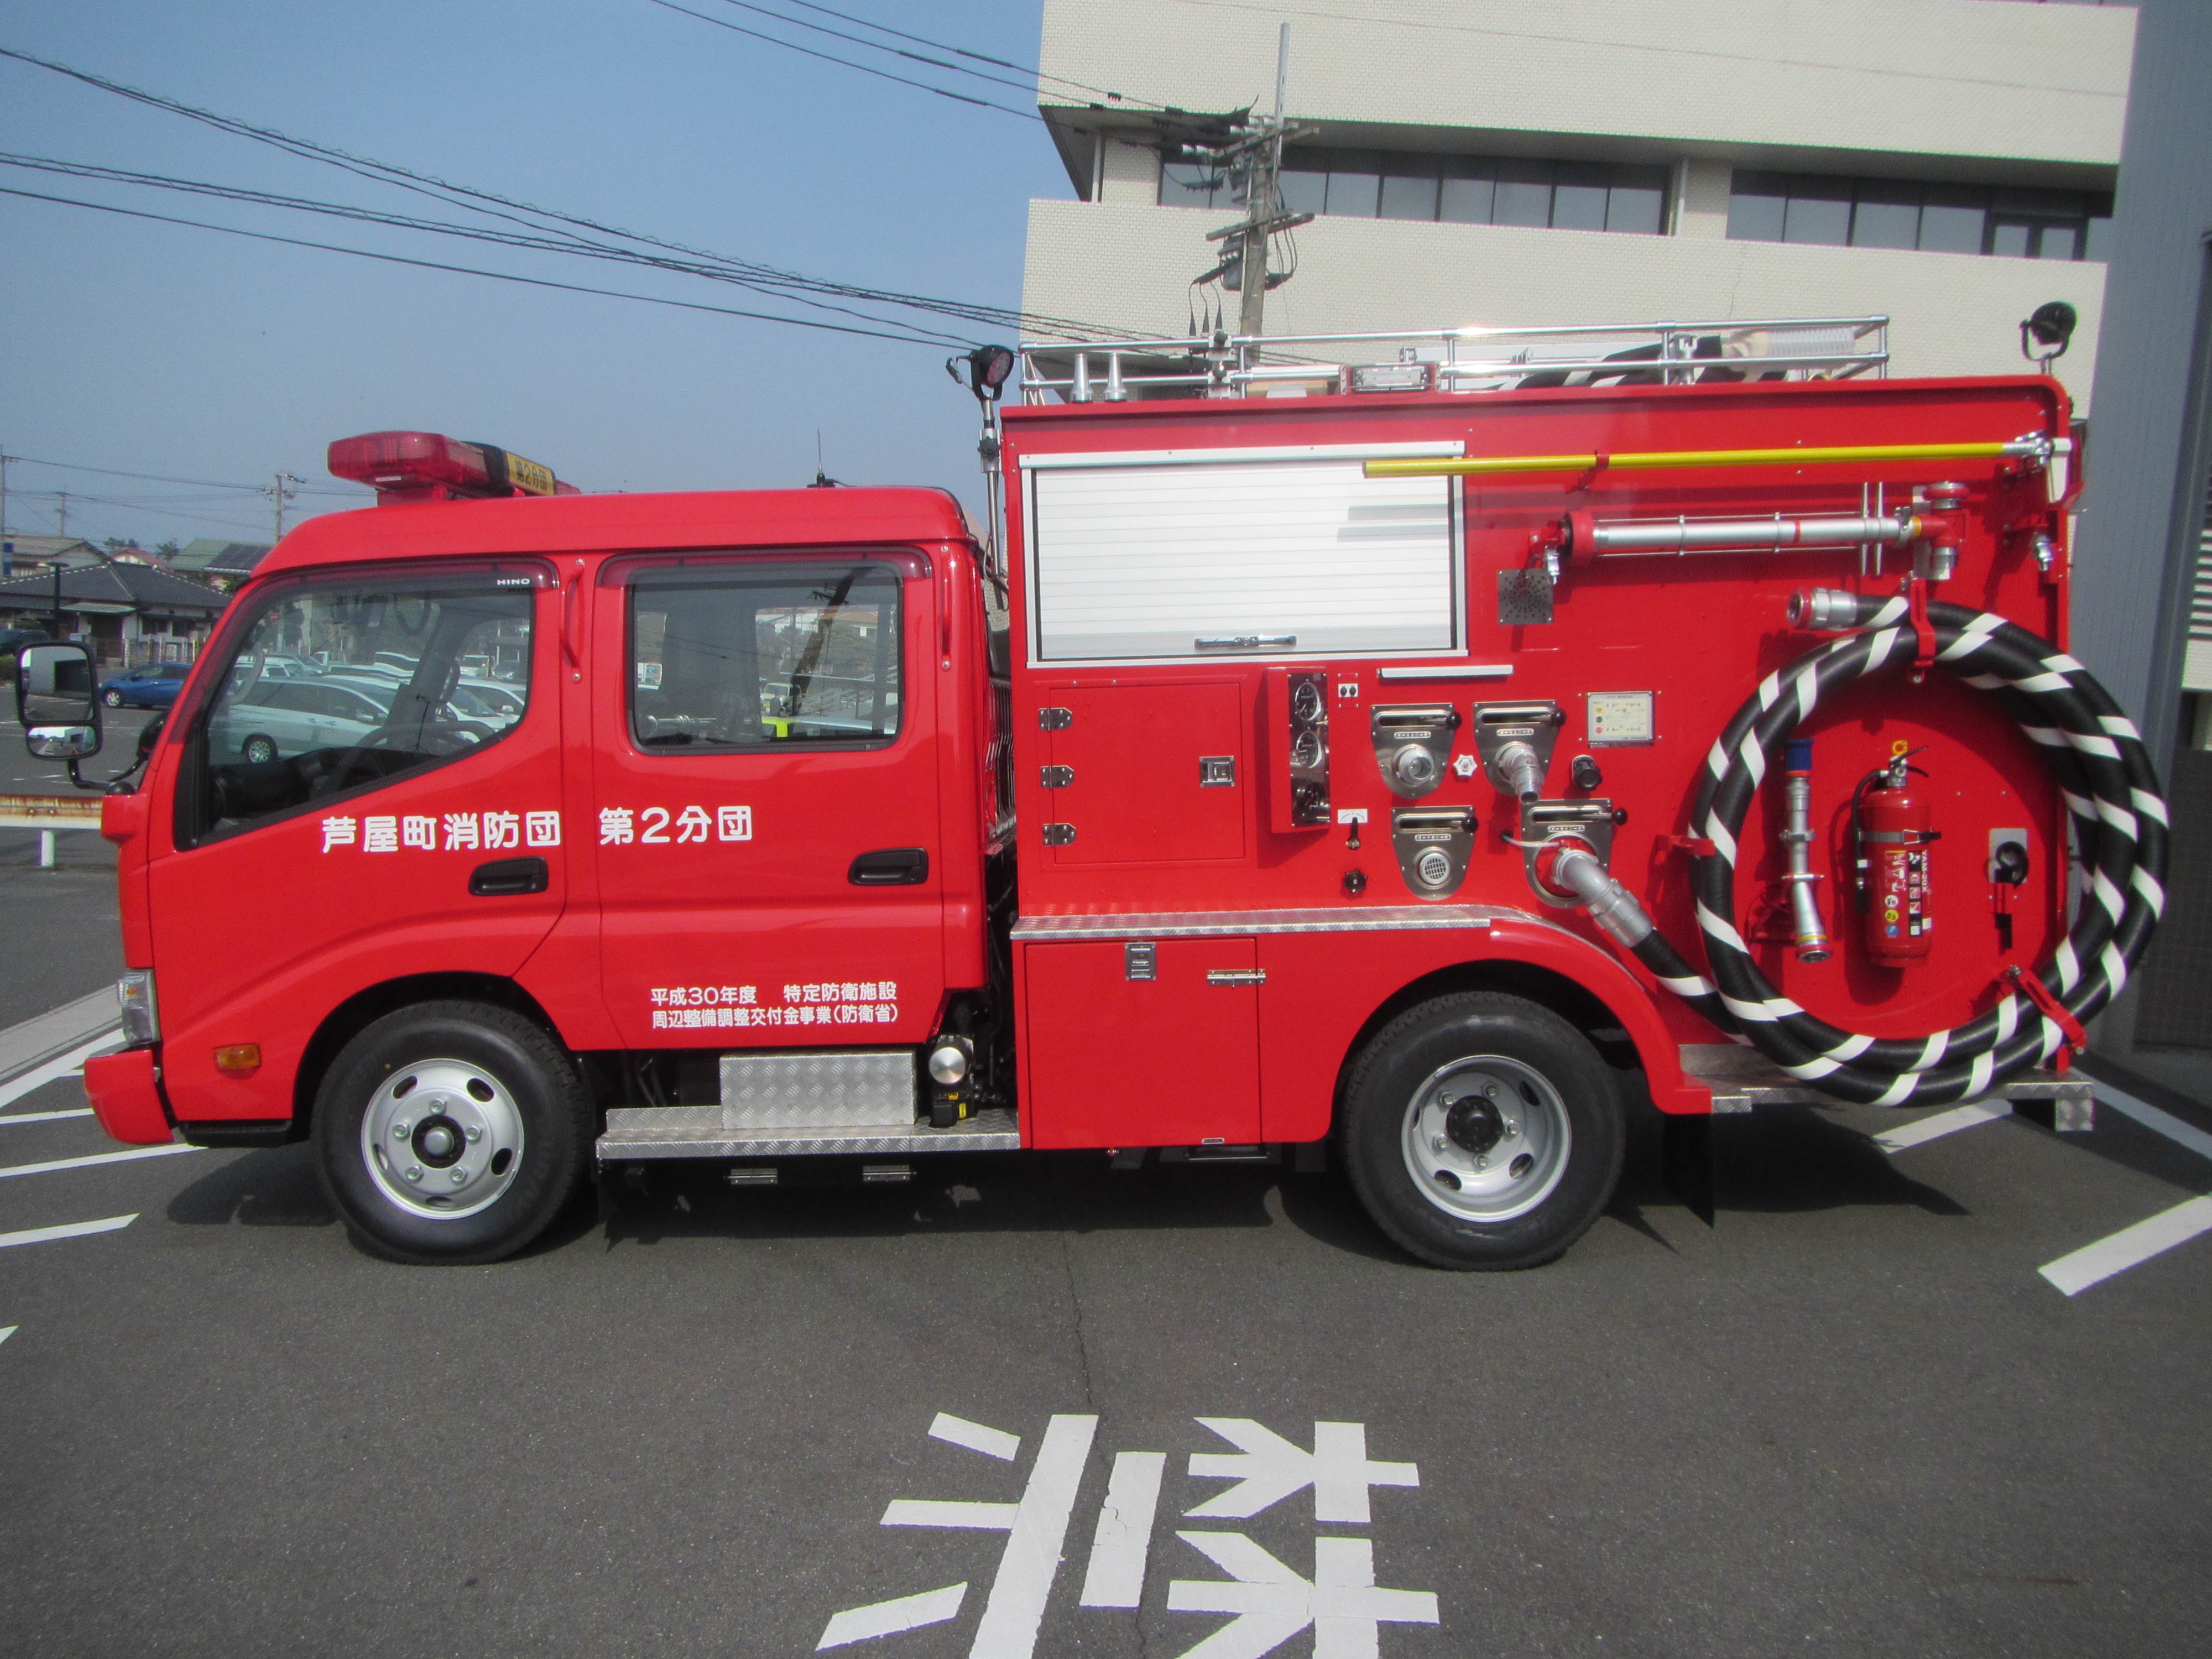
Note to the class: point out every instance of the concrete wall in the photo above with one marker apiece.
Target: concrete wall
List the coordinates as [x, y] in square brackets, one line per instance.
[1953, 313]
[1900, 79]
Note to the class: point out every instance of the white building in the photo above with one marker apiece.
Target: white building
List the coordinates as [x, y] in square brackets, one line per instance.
[1505, 162]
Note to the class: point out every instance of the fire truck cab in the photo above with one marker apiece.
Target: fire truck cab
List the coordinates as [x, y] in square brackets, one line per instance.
[1312, 778]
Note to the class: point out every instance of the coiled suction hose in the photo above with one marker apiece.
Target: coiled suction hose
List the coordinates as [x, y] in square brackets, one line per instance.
[2110, 790]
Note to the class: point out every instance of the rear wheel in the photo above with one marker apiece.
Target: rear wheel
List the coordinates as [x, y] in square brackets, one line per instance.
[257, 751]
[112, 699]
[1482, 1131]
[450, 1131]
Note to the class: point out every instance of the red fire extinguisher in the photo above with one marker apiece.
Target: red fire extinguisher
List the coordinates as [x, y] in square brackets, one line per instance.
[1892, 825]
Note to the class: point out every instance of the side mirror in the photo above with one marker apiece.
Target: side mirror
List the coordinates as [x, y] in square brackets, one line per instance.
[55, 703]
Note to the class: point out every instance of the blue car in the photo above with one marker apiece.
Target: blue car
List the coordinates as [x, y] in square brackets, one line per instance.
[153, 686]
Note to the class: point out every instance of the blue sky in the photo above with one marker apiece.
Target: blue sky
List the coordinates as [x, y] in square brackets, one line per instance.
[155, 349]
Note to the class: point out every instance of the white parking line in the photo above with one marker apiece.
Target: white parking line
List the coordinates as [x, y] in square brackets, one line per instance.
[74, 1230]
[95, 1158]
[1943, 1123]
[63, 1066]
[2130, 1246]
[2158, 1123]
[44, 1117]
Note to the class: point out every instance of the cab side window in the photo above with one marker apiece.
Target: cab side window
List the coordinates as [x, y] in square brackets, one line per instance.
[764, 658]
[339, 687]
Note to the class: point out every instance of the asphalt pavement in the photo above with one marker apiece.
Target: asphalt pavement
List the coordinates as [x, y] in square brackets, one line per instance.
[975, 1413]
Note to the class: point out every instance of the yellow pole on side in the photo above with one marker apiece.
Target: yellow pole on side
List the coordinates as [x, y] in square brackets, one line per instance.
[1481, 465]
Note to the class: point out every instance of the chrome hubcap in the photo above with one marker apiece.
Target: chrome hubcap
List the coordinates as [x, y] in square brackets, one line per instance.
[1486, 1139]
[442, 1138]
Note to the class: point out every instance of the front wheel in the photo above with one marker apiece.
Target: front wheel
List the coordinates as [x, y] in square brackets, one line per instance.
[1482, 1131]
[112, 699]
[450, 1131]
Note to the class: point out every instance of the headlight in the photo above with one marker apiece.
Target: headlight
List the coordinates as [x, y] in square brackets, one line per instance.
[948, 1062]
[142, 1017]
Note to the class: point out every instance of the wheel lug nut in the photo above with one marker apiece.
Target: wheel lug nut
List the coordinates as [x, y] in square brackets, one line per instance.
[1490, 1091]
[476, 1132]
[1437, 1143]
[459, 1176]
[1480, 1162]
[414, 1174]
[399, 1131]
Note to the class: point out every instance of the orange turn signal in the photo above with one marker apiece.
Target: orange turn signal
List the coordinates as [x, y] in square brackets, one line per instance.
[238, 1058]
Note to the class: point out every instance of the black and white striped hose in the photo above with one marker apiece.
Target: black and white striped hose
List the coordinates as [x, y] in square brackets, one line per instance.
[2111, 791]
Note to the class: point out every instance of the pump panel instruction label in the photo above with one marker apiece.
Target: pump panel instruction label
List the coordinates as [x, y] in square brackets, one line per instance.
[1620, 717]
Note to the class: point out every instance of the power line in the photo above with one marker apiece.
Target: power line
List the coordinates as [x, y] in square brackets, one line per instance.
[471, 199]
[408, 221]
[464, 270]
[981, 57]
[158, 478]
[133, 507]
[876, 45]
[792, 45]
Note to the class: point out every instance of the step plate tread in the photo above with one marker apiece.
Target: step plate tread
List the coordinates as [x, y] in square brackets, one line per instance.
[994, 1131]
[1743, 1079]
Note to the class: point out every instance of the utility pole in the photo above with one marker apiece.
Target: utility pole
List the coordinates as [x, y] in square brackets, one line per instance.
[61, 517]
[282, 487]
[1253, 152]
[1261, 200]
[6, 547]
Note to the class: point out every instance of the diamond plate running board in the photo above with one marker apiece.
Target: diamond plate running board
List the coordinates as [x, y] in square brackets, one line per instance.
[701, 1132]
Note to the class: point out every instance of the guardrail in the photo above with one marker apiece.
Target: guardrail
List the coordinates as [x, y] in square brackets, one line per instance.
[48, 814]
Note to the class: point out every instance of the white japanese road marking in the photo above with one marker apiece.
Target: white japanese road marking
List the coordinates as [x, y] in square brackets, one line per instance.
[1115, 1577]
[44, 1117]
[937, 1512]
[1943, 1123]
[959, 1431]
[2130, 1246]
[1272, 1603]
[1270, 1468]
[53, 1164]
[889, 1618]
[54, 1069]
[7, 1331]
[74, 1230]
[1010, 1616]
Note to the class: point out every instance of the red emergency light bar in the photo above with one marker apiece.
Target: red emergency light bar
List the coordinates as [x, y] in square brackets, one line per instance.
[429, 466]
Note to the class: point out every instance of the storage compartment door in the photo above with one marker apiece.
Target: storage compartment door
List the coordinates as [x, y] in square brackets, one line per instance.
[1168, 1060]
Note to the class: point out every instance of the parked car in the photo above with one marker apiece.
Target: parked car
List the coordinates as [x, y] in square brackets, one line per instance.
[153, 686]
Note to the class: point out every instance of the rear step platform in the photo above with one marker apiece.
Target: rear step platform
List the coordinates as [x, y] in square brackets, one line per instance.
[1743, 1079]
[716, 1132]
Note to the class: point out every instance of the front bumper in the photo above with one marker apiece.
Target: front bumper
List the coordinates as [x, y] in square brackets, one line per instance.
[125, 1092]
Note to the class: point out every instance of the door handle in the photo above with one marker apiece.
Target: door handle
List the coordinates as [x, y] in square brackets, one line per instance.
[890, 866]
[506, 877]
[1237, 976]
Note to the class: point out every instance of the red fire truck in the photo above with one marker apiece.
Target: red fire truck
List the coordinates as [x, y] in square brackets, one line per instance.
[1434, 760]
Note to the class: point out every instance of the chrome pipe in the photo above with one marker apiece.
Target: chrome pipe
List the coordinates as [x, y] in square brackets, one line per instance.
[1645, 536]
[1611, 906]
[1811, 933]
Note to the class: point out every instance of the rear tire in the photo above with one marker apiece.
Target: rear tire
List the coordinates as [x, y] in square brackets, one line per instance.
[1483, 1132]
[112, 699]
[257, 750]
[450, 1131]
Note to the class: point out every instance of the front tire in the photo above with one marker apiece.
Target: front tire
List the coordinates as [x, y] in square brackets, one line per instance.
[1482, 1131]
[112, 699]
[450, 1131]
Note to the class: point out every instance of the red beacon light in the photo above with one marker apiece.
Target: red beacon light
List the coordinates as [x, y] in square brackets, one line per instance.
[429, 466]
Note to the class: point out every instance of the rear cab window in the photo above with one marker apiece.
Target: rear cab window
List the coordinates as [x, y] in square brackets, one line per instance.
[751, 657]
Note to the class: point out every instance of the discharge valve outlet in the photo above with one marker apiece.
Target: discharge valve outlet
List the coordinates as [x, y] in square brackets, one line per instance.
[1413, 745]
[1514, 741]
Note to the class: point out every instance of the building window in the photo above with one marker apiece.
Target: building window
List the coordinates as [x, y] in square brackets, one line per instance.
[1840, 212]
[1467, 190]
